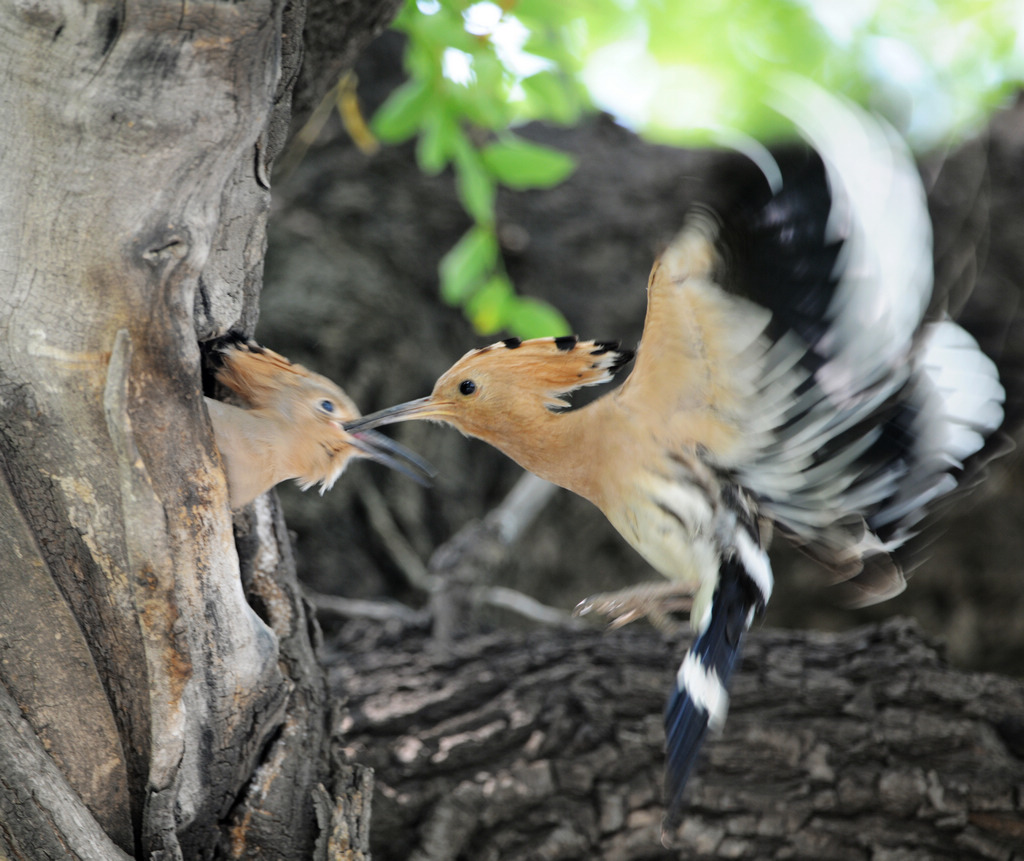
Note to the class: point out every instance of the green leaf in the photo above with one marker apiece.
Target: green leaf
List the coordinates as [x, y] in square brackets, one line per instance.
[547, 12]
[446, 29]
[534, 318]
[550, 95]
[465, 266]
[490, 72]
[436, 140]
[473, 182]
[486, 100]
[400, 116]
[520, 164]
[487, 308]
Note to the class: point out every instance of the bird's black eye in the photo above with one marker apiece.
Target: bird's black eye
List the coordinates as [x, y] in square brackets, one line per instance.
[467, 387]
[327, 406]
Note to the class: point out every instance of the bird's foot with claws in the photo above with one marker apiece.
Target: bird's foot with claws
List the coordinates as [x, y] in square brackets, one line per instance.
[657, 602]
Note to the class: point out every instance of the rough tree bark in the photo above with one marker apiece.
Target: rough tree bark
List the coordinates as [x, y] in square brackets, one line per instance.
[855, 746]
[147, 709]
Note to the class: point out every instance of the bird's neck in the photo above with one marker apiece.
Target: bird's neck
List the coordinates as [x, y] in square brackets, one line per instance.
[251, 448]
[567, 448]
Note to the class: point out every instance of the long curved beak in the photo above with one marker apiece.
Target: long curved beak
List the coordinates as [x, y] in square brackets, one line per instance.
[379, 448]
[421, 408]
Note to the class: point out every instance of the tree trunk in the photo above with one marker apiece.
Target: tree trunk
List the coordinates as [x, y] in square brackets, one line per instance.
[146, 709]
[550, 745]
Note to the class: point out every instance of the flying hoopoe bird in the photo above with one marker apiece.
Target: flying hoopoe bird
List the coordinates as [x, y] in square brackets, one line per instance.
[293, 426]
[787, 378]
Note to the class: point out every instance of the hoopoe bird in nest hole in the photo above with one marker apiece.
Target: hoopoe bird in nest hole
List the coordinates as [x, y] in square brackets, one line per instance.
[787, 380]
[292, 426]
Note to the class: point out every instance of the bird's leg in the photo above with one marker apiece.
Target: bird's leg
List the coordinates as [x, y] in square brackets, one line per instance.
[654, 601]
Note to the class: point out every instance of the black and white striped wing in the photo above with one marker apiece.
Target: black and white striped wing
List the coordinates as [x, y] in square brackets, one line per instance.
[864, 415]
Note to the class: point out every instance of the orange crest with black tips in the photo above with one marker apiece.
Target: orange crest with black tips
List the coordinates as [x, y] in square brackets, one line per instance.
[265, 379]
[546, 368]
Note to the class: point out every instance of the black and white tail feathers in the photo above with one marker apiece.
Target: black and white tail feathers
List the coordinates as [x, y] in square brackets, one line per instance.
[700, 696]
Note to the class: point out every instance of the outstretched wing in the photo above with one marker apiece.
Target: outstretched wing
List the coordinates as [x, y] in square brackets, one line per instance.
[874, 421]
[784, 340]
[692, 377]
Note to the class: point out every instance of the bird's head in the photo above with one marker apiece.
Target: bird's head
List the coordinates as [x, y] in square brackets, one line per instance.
[310, 411]
[502, 388]
[266, 380]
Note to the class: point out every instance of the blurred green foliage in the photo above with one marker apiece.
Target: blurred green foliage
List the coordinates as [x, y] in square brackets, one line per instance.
[472, 78]
[687, 73]
[695, 73]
